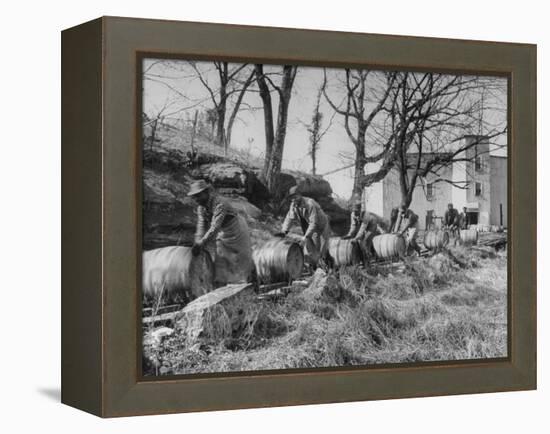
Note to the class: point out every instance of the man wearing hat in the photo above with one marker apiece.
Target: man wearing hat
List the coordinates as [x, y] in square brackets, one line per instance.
[314, 223]
[223, 233]
[464, 219]
[451, 219]
[364, 226]
[405, 222]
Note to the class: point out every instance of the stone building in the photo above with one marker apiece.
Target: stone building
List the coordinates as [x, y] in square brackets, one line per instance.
[479, 184]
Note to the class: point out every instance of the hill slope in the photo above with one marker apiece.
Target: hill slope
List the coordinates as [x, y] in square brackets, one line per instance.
[170, 165]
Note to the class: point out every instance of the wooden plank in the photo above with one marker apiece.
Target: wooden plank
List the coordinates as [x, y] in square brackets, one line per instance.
[165, 318]
[147, 311]
[271, 286]
[275, 293]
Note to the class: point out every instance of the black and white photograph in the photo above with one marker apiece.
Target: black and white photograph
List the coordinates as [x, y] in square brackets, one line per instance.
[299, 217]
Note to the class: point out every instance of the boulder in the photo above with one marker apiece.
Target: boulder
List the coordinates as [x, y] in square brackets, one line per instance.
[339, 217]
[313, 186]
[217, 315]
[244, 207]
[165, 160]
[309, 185]
[225, 175]
[231, 178]
[162, 187]
[323, 287]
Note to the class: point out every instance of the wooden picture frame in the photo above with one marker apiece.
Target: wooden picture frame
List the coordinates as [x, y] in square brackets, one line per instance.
[101, 217]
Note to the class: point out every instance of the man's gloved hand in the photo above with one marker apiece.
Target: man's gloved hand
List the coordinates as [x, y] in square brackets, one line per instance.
[280, 234]
[303, 240]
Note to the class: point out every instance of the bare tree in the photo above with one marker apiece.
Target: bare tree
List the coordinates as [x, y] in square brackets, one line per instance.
[237, 106]
[229, 84]
[413, 122]
[211, 117]
[274, 134]
[316, 131]
[430, 115]
[362, 103]
[154, 120]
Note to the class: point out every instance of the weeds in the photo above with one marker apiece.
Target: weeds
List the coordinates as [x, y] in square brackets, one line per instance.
[432, 310]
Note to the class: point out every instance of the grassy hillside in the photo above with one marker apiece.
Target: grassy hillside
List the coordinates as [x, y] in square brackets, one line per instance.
[431, 310]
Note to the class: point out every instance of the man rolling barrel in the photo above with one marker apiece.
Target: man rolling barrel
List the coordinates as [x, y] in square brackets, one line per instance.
[463, 219]
[405, 222]
[451, 220]
[314, 223]
[223, 233]
[364, 226]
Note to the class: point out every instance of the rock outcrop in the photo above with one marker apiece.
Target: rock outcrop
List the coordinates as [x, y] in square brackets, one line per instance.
[323, 287]
[169, 215]
[217, 315]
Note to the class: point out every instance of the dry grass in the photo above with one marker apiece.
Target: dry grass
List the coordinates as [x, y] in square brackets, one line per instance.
[433, 310]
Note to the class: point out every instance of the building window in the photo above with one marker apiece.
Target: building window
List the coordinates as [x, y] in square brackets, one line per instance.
[478, 164]
[478, 188]
[429, 190]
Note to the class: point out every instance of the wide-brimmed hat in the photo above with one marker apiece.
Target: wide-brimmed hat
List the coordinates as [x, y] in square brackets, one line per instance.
[293, 191]
[197, 187]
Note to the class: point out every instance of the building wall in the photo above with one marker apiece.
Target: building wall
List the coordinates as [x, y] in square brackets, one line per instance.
[460, 195]
[437, 203]
[392, 192]
[499, 191]
[373, 198]
[386, 194]
[481, 175]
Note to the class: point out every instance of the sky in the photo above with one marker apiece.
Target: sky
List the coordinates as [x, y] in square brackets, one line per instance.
[176, 83]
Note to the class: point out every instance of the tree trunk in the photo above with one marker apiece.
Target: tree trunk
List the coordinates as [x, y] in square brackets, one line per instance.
[359, 170]
[275, 161]
[405, 185]
[154, 132]
[220, 119]
[406, 198]
[221, 108]
[360, 161]
[236, 110]
[220, 132]
[265, 95]
[194, 132]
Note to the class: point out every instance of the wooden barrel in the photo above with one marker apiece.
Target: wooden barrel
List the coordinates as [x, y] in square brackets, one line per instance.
[389, 246]
[344, 252]
[311, 252]
[434, 240]
[468, 236]
[170, 271]
[278, 260]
